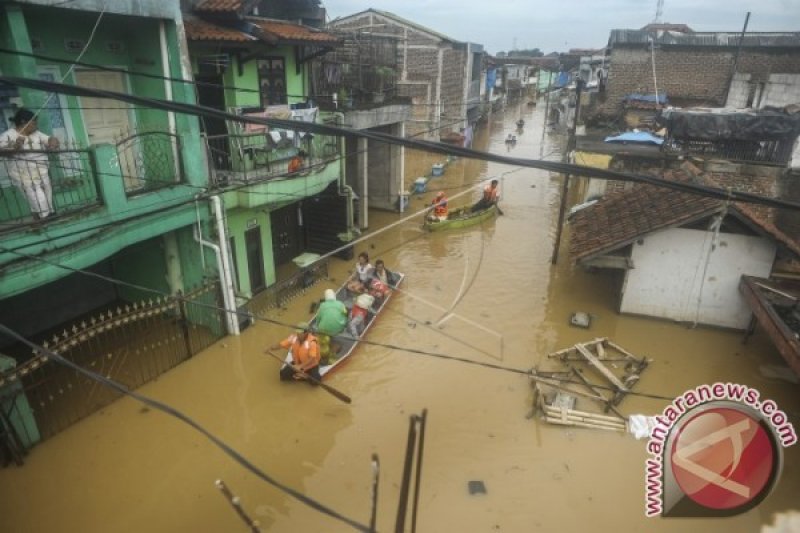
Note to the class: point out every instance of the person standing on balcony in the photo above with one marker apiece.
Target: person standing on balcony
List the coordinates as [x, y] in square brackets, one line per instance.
[296, 163]
[28, 167]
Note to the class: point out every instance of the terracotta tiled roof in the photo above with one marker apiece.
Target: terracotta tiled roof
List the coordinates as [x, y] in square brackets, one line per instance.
[219, 6]
[288, 31]
[619, 219]
[200, 30]
[768, 227]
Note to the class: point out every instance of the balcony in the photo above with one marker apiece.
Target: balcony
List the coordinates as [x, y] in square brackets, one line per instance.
[72, 180]
[255, 157]
[106, 175]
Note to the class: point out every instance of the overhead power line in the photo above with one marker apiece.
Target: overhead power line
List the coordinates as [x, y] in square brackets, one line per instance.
[435, 147]
[175, 413]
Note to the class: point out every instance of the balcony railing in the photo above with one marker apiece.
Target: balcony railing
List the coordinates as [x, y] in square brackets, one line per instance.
[149, 160]
[36, 184]
[251, 157]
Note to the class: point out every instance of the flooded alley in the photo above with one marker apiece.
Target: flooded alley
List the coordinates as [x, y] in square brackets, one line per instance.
[487, 293]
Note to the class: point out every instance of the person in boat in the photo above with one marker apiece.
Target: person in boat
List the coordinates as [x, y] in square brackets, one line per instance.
[359, 315]
[439, 208]
[331, 321]
[381, 281]
[383, 274]
[489, 197]
[304, 348]
[359, 281]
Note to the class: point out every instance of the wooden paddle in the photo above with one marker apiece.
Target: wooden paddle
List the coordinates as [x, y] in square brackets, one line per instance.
[327, 388]
[499, 211]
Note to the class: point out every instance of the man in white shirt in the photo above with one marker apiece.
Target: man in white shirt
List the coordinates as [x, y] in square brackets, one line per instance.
[29, 171]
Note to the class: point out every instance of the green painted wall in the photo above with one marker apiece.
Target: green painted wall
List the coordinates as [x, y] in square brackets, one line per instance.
[239, 221]
[78, 240]
[143, 264]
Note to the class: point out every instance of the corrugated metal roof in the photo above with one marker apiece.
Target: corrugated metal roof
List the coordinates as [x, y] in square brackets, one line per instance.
[751, 39]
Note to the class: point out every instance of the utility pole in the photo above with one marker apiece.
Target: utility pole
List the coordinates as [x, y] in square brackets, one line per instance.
[571, 142]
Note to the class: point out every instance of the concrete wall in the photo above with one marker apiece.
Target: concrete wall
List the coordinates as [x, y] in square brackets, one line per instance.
[168, 9]
[779, 90]
[678, 276]
[692, 74]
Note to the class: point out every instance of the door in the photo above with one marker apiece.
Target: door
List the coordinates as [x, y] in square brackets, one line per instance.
[287, 242]
[106, 120]
[211, 94]
[255, 259]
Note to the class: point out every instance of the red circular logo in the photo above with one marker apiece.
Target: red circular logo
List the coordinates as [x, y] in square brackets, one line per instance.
[724, 458]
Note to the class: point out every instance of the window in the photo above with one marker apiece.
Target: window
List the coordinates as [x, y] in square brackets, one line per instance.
[272, 80]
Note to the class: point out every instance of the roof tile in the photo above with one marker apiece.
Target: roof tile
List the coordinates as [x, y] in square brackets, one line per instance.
[219, 6]
[288, 31]
[200, 30]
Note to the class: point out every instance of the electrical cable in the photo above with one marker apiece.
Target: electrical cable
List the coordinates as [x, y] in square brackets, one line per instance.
[175, 413]
[172, 204]
[272, 321]
[440, 148]
[232, 88]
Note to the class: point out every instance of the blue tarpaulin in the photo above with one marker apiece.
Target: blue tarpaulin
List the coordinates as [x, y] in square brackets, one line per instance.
[650, 98]
[562, 80]
[635, 137]
[491, 79]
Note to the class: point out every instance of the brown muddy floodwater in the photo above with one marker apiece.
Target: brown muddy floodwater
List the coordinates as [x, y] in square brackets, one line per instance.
[129, 469]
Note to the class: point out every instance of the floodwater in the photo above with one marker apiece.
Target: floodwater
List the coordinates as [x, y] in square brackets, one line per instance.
[484, 293]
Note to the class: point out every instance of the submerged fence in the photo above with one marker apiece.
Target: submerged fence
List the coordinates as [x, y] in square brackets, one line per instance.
[281, 292]
[132, 344]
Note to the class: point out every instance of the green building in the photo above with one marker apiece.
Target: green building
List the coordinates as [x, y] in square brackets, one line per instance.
[124, 183]
[252, 65]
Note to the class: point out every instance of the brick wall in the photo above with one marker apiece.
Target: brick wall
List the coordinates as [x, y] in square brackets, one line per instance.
[453, 81]
[698, 75]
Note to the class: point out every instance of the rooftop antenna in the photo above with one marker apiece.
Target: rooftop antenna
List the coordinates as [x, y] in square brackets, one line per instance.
[659, 12]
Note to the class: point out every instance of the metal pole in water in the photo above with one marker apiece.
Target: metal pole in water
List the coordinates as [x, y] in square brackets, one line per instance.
[376, 472]
[420, 446]
[402, 506]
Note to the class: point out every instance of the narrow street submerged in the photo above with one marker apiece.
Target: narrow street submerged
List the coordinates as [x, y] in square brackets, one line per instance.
[484, 293]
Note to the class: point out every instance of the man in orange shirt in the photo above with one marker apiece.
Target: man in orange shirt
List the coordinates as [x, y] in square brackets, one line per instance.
[489, 197]
[304, 349]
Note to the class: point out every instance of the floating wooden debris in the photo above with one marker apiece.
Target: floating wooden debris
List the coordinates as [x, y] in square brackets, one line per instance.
[556, 395]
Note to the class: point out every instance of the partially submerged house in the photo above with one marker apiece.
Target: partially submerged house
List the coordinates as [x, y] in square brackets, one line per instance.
[96, 279]
[260, 67]
[681, 256]
[359, 79]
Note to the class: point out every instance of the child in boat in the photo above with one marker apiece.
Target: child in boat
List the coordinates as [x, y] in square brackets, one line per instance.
[359, 281]
[359, 315]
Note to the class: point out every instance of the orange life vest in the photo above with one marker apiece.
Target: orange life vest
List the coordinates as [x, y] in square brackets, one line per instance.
[440, 206]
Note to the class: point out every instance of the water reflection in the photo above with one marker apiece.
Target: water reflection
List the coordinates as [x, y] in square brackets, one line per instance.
[128, 470]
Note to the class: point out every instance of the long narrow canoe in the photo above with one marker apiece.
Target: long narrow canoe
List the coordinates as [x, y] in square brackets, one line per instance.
[461, 218]
[347, 343]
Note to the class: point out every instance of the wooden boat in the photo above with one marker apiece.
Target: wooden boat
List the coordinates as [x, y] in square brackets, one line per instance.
[461, 218]
[347, 343]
